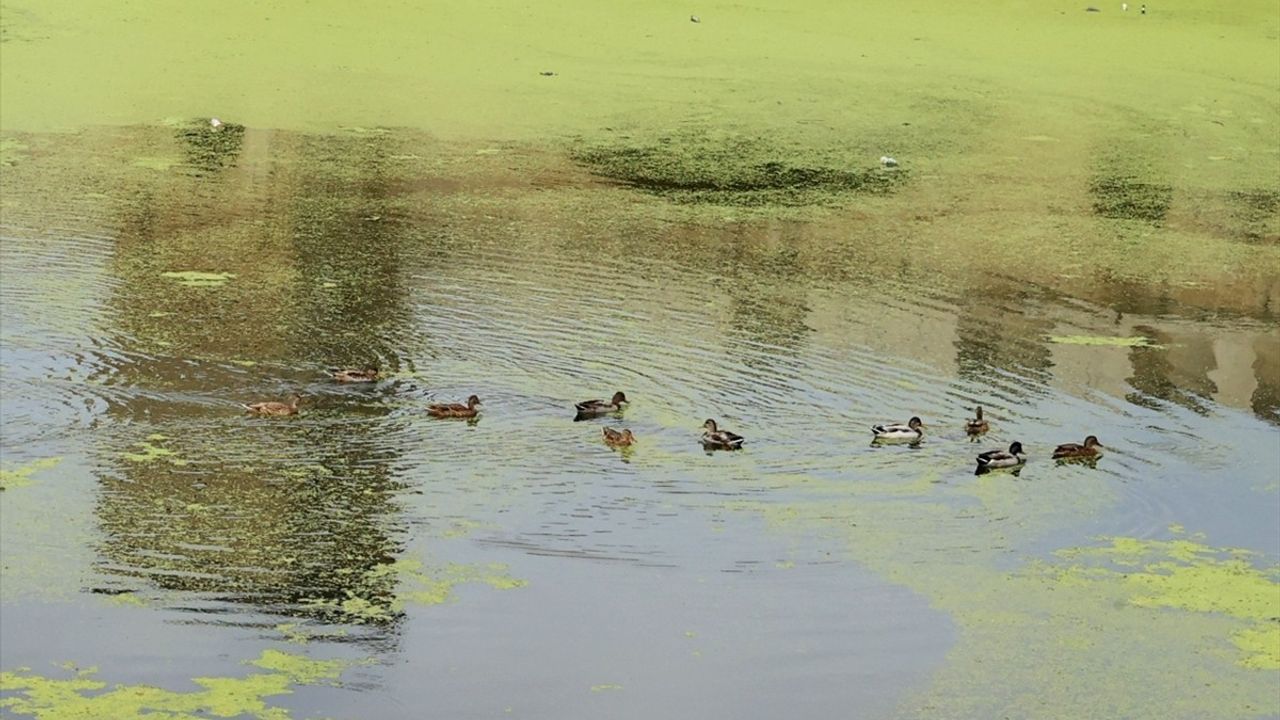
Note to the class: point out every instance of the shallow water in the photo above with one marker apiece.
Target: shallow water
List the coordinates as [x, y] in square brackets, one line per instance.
[514, 563]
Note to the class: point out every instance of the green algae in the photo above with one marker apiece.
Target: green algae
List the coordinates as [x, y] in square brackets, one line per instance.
[150, 452]
[1102, 340]
[1040, 637]
[385, 591]
[195, 278]
[605, 687]
[21, 476]
[1185, 575]
[80, 697]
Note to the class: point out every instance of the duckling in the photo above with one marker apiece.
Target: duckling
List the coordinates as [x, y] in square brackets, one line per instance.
[1002, 459]
[354, 375]
[897, 431]
[616, 439]
[977, 425]
[715, 439]
[595, 408]
[272, 407]
[1090, 448]
[455, 410]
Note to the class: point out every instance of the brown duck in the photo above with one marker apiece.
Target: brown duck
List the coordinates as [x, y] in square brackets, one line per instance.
[1090, 448]
[595, 408]
[977, 425]
[455, 410]
[354, 375]
[614, 438]
[272, 407]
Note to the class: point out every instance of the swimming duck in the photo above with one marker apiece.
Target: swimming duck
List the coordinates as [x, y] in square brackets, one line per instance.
[715, 439]
[977, 425]
[613, 438]
[897, 431]
[272, 407]
[455, 410]
[1090, 448]
[1013, 457]
[354, 375]
[595, 408]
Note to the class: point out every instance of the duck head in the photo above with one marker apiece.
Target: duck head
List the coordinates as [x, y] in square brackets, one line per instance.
[472, 402]
[1092, 441]
[1015, 448]
[915, 423]
[618, 399]
[710, 425]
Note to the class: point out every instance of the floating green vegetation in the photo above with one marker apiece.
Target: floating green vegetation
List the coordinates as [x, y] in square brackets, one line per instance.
[605, 687]
[1127, 198]
[151, 453]
[1102, 340]
[1186, 575]
[194, 278]
[386, 590]
[722, 168]
[21, 476]
[80, 697]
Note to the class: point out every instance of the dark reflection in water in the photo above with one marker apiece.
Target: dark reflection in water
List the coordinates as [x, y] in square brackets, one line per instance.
[292, 517]
[210, 147]
[1000, 331]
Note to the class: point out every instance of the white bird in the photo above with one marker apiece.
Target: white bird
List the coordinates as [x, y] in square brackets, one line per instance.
[1124, 7]
[695, 18]
[215, 123]
[887, 161]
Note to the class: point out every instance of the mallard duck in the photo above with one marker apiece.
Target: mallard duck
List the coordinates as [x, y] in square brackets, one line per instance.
[1090, 448]
[595, 408]
[354, 375]
[272, 407]
[1013, 457]
[614, 438]
[455, 410]
[897, 431]
[977, 425]
[715, 439]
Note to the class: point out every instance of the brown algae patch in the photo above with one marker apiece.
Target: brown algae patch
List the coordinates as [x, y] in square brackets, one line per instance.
[81, 697]
[386, 590]
[21, 476]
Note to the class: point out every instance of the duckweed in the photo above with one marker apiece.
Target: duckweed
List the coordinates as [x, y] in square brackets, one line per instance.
[80, 698]
[193, 278]
[21, 476]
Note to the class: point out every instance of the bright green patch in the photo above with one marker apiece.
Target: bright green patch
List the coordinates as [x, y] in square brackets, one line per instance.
[1186, 575]
[21, 476]
[193, 278]
[1101, 340]
[150, 452]
[386, 590]
[80, 697]
[605, 687]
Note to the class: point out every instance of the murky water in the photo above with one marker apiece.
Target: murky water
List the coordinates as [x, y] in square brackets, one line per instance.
[153, 278]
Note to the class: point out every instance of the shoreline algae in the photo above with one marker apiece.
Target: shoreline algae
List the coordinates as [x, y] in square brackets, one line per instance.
[81, 697]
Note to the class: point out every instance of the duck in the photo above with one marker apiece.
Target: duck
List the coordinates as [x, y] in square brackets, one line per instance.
[714, 438]
[1013, 457]
[897, 431]
[272, 407]
[455, 410]
[1090, 448]
[977, 425]
[614, 438]
[354, 375]
[594, 408]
